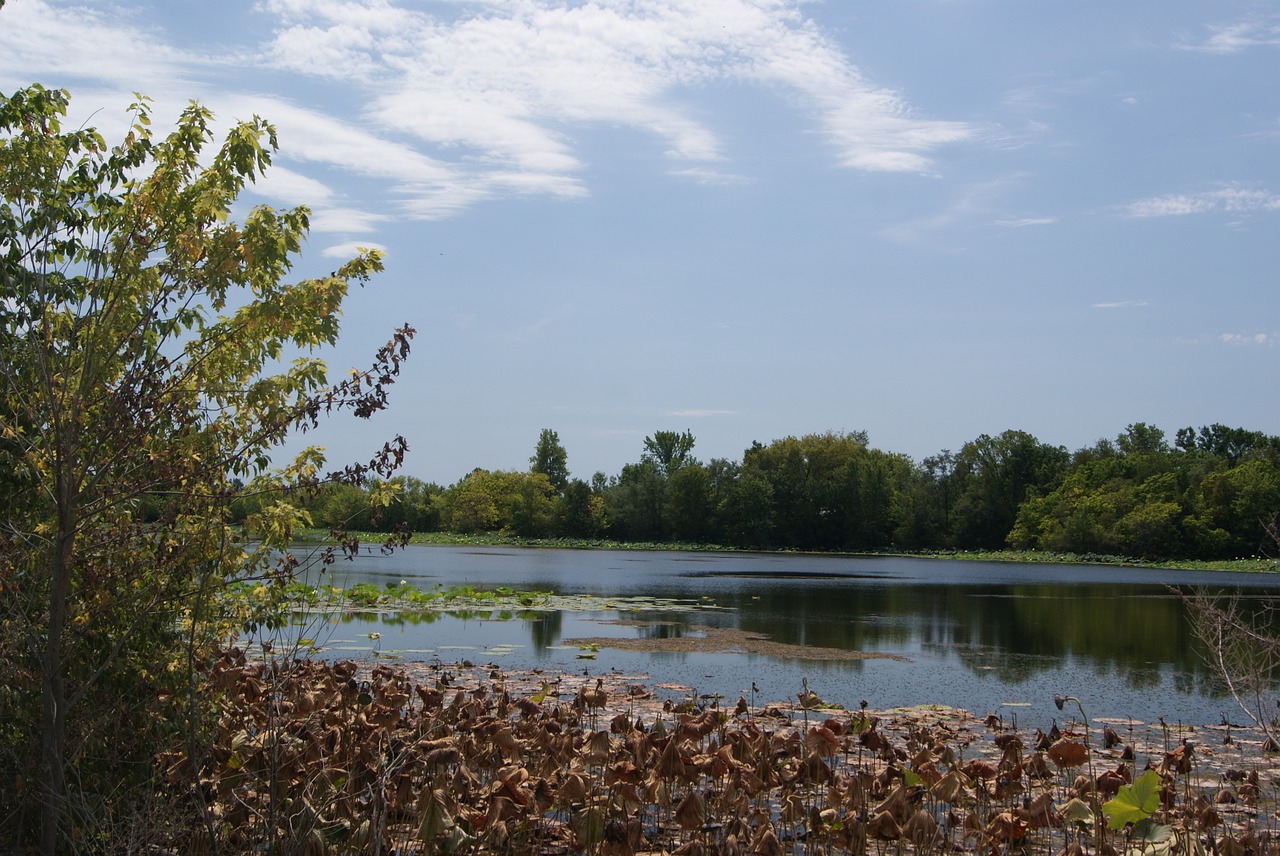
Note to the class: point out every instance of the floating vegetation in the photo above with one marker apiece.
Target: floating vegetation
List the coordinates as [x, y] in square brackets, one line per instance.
[443, 758]
[404, 601]
[724, 640]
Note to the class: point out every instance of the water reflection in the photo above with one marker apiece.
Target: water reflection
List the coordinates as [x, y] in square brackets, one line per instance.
[1009, 629]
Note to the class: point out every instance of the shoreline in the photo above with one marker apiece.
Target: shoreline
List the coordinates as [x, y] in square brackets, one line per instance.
[1254, 565]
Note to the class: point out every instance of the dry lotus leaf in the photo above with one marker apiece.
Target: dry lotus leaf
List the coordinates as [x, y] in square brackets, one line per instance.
[1179, 760]
[884, 826]
[691, 813]
[1067, 753]
[766, 843]
[822, 740]
[1039, 811]
[921, 828]
[1230, 846]
[1006, 827]
[952, 787]
[895, 804]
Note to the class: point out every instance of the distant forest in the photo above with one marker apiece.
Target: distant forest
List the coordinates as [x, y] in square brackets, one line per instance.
[1211, 493]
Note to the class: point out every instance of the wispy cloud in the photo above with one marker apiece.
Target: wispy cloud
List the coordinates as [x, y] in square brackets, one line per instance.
[474, 99]
[44, 40]
[505, 79]
[1231, 199]
[1248, 338]
[349, 249]
[702, 175]
[1023, 222]
[1120, 304]
[972, 204]
[1239, 36]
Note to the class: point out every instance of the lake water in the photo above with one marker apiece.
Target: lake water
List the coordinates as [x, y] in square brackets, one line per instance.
[987, 637]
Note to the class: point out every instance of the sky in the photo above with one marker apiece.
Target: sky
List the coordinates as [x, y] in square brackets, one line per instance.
[749, 219]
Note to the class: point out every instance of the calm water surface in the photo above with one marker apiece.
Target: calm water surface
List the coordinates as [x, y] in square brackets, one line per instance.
[979, 635]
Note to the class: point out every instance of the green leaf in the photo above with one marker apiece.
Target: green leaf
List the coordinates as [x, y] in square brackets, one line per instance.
[1150, 831]
[1076, 810]
[1134, 803]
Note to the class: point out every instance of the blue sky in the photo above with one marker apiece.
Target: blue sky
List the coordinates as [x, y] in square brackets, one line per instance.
[926, 219]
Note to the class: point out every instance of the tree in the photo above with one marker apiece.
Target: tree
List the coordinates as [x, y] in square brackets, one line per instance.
[550, 459]
[994, 476]
[500, 501]
[670, 450]
[687, 504]
[810, 502]
[139, 328]
[579, 513]
[635, 503]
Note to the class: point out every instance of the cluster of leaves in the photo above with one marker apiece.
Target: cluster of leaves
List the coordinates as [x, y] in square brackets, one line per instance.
[328, 758]
[152, 359]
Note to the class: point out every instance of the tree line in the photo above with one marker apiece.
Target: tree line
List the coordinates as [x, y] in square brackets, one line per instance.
[1207, 493]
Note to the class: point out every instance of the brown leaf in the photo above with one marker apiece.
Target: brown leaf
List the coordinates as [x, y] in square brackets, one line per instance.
[952, 787]
[691, 813]
[885, 827]
[765, 842]
[1067, 753]
[1005, 827]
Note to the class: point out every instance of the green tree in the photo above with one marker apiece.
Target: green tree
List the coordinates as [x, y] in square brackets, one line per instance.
[688, 504]
[635, 502]
[551, 459]
[994, 476]
[811, 484]
[670, 450]
[140, 328]
[746, 514]
[500, 501]
[580, 512]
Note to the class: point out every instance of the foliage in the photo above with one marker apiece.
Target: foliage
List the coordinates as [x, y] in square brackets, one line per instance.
[443, 758]
[152, 359]
[499, 501]
[1132, 499]
[551, 459]
[669, 450]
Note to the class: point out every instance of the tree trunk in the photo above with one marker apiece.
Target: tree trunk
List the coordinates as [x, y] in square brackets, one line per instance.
[53, 688]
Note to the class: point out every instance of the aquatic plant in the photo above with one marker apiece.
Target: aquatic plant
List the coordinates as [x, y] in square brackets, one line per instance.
[444, 758]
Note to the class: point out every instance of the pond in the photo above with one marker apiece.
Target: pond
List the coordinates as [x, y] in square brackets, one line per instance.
[983, 636]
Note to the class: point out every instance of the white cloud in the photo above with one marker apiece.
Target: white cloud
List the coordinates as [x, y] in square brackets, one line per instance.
[460, 101]
[1248, 339]
[505, 83]
[1023, 222]
[1239, 36]
[58, 43]
[349, 249]
[346, 220]
[1120, 304]
[702, 175]
[287, 187]
[1231, 199]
